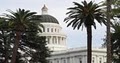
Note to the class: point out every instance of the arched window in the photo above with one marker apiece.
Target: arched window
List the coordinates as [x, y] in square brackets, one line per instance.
[51, 29]
[58, 30]
[43, 30]
[47, 29]
[55, 29]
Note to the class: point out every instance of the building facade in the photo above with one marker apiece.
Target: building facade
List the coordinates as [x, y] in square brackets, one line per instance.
[56, 41]
[78, 55]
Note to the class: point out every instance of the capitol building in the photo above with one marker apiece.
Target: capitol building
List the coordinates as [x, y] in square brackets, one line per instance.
[56, 41]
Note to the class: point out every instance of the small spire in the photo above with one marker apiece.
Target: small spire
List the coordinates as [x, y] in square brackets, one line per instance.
[44, 10]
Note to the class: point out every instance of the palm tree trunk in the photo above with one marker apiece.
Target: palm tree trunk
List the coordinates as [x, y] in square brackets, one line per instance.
[109, 54]
[16, 45]
[89, 44]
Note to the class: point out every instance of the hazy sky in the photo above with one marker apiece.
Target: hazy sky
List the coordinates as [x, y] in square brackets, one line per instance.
[58, 9]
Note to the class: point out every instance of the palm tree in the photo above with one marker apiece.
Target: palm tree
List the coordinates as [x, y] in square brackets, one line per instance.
[85, 14]
[19, 21]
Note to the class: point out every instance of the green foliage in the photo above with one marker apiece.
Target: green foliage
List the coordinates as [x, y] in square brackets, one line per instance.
[31, 44]
[4, 40]
[115, 11]
[115, 39]
[33, 47]
[20, 19]
[84, 14]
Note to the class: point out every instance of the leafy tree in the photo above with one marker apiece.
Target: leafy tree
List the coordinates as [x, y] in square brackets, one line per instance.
[4, 40]
[113, 11]
[33, 47]
[115, 39]
[116, 26]
[116, 8]
[30, 46]
[85, 14]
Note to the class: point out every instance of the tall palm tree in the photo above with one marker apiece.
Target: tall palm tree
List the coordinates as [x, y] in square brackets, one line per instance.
[19, 21]
[85, 14]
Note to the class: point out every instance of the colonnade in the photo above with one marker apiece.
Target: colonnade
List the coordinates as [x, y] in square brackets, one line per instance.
[56, 40]
[68, 60]
[77, 59]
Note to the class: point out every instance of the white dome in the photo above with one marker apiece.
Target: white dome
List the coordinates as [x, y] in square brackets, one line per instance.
[56, 39]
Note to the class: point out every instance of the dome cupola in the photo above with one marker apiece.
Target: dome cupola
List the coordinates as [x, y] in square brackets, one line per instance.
[48, 19]
[44, 10]
[45, 17]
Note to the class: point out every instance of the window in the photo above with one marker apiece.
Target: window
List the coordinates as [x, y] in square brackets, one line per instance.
[43, 30]
[58, 30]
[62, 38]
[52, 30]
[80, 60]
[49, 61]
[55, 30]
[58, 40]
[47, 29]
[68, 59]
[52, 40]
[64, 61]
[57, 61]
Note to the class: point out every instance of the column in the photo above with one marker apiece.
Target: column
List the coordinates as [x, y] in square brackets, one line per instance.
[59, 60]
[51, 40]
[53, 60]
[65, 60]
[57, 39]
[74, 60]
[97, 59]
[70, 59]
[60, 40]
[85, 59]
[64, 41]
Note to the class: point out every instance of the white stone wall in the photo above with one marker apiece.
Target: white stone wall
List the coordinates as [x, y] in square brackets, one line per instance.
[78, 55]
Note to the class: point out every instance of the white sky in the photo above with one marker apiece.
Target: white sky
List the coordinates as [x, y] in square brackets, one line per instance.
[58, 9]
